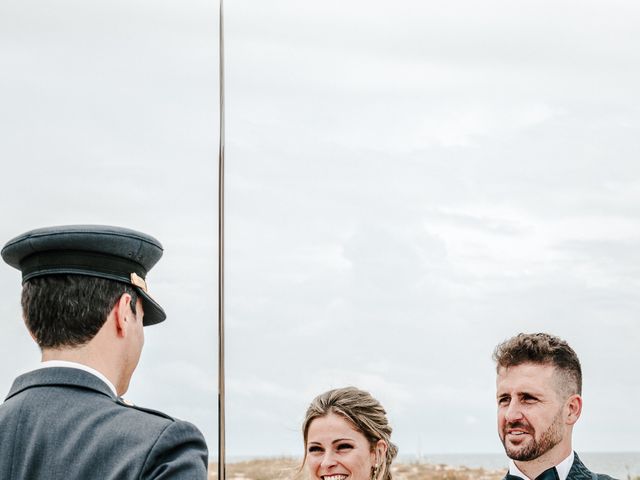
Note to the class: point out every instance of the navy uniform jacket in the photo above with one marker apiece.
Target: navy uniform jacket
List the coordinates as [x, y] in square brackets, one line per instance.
[65, 423]
[580, 472]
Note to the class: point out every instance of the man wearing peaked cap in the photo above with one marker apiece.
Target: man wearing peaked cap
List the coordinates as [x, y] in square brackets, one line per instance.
[85, 301]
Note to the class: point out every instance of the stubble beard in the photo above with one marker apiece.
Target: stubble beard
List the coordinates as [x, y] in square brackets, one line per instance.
[533, 449]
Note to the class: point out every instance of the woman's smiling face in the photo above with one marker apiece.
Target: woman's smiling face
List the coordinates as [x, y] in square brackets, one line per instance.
[337, 451]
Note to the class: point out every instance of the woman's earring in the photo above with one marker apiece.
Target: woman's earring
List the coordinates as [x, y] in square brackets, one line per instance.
[374, 472]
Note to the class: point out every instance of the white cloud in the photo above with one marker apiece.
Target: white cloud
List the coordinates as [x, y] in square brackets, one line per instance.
[407, 186]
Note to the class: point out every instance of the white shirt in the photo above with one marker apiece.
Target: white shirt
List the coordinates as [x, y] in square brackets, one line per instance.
[79, 366]
[562, 468]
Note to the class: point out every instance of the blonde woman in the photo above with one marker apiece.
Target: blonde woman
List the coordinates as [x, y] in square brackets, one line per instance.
[347, 436]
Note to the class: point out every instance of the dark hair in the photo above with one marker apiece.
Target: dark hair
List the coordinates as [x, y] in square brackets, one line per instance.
[361, 410]
[543, 349]
[68, 310]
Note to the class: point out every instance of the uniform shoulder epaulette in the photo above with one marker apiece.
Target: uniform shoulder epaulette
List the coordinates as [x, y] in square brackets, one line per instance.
[128, 404]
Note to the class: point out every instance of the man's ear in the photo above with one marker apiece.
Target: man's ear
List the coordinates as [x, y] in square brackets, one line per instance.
[573, 408]
[120, 310]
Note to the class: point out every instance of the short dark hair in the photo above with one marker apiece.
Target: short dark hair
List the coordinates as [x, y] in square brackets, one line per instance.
[543, 349]
[69, 310]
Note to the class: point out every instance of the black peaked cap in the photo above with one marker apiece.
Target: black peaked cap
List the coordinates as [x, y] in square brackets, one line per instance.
[114, 253]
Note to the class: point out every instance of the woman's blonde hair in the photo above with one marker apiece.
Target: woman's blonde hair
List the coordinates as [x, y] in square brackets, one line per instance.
[365, 414]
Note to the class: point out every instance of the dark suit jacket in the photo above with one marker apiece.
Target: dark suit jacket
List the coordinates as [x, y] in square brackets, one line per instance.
[580, 472]
[65, 423]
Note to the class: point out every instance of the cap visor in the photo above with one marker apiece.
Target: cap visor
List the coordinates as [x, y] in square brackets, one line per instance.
[153, 313]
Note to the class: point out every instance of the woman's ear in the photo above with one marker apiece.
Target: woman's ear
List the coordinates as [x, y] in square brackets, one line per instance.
[381, 451]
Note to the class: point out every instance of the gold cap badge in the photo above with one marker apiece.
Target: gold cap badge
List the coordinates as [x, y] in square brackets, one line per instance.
[139, 282]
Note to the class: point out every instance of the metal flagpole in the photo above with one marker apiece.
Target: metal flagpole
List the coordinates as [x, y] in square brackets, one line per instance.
[221, 392]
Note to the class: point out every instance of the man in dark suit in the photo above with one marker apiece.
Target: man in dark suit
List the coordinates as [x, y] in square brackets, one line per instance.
[85, 302]
[539, 389]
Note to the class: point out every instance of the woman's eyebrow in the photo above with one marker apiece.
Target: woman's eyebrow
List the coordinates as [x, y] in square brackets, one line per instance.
[342, 440]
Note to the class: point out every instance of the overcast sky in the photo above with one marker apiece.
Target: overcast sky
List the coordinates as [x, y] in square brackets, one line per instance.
[408, 184]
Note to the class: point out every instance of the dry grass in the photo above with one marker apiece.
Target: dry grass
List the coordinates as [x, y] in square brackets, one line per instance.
[262, 469]
[288, 469]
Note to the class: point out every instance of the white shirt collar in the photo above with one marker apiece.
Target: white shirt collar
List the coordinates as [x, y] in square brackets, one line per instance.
[79, 366]
[562, 468]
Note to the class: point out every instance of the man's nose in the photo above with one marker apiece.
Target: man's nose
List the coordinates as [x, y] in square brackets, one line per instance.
[513, 412]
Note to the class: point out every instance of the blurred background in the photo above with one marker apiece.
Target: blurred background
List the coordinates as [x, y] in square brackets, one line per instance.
[408, 184]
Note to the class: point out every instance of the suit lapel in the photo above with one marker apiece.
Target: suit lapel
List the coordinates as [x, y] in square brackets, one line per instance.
[579, 471]
[61, 377]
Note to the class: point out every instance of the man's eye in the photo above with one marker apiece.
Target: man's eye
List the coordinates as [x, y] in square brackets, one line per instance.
[345, 446]
[503, 401]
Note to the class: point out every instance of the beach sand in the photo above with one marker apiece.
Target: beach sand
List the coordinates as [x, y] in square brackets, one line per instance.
[289, 469]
